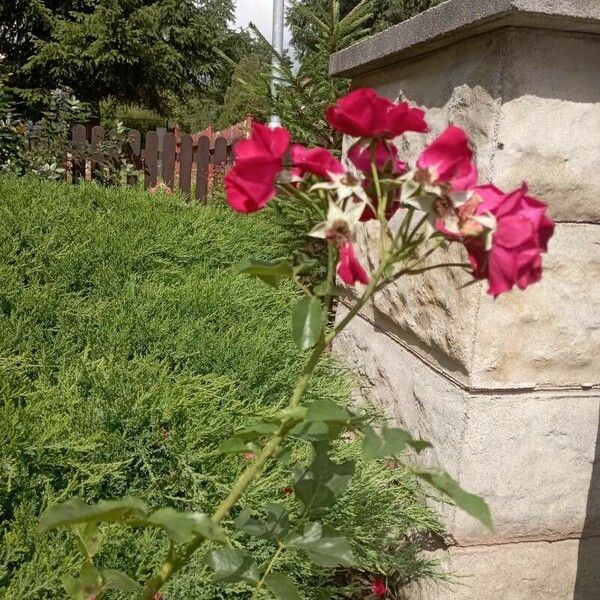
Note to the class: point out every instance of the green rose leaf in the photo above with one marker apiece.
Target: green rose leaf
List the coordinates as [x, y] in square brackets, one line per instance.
[91, 537]
[239, 442]
[73, 587]
[326, 288]
[282, 587]
[323, 481]
[182, 527]
[274, 527]
[231, 565]
[389, 443]
[329, 412]
[307, 322]
[76, 511]
[470, 503]
[90, 580]
[324, 547]
[117, 580]
[234, 445]
[270, 272]
[316, 431]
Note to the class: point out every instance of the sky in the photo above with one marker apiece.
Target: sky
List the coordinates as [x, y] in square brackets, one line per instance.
[260, 12]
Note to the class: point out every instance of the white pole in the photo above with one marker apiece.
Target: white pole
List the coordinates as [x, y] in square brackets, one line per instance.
[278, 26]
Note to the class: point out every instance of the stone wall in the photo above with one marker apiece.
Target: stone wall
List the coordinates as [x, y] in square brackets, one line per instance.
[507, 390]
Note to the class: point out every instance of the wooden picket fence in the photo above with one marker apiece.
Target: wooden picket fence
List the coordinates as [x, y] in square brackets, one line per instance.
[181, 161]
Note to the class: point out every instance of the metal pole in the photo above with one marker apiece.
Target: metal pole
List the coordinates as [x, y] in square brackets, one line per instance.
[278, 26]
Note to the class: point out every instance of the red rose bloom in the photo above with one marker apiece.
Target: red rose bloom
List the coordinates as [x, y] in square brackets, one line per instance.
[521, 236]
[449, 160]
[386, 158]
[349, 269]
[316, 161]
[363, 113]
[250, 184]
[379, 588]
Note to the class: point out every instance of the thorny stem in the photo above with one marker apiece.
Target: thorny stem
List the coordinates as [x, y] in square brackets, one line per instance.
[176, 561]
[268, 568]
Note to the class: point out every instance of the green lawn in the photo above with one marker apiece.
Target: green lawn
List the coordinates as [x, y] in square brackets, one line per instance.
[128, 352]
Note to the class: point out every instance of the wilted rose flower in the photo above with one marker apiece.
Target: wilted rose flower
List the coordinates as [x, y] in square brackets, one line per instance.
[448, 161]
[250, 184]
[520, 237]
[316, 161]
[363, 113]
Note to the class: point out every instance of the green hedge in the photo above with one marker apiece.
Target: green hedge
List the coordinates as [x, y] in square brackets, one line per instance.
[128, 352]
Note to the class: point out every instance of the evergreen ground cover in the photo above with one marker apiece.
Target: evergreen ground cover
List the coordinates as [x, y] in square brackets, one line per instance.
[128, 352]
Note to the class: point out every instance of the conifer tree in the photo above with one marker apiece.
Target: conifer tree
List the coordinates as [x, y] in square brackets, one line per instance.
[145, 52]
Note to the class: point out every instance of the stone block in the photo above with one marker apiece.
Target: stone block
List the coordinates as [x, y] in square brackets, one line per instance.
[507, 390]
[547, 336]
[531, 455]
[565, 570]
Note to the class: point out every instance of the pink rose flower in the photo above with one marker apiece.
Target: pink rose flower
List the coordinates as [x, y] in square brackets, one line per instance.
[449, 160]
[386, 158]
[522, 234]
[379, 588]
[264, 141]
[250, 184]
[363, 113]
[316, 161]
[349, 269]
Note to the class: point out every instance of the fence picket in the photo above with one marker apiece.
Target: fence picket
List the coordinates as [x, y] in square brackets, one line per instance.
[134, 137]
[170, 154]
[220, 155]
[185, 164]
[151, 160]
[97, 157]
[202, 164]
[168, 160]
[79, 144]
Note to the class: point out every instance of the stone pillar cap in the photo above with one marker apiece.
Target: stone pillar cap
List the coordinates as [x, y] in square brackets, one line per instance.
[454, 20]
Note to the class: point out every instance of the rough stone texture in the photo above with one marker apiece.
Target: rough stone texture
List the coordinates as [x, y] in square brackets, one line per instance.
[530, 454]
[458, 19]
[531, 570]
[517, 111]
[520, 340]
[549, 335]
[507, 390]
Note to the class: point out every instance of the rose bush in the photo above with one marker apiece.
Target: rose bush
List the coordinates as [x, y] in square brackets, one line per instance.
[419, 211]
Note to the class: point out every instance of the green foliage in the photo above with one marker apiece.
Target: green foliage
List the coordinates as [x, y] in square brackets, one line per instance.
[304, 92]
[148, 52]
[307, 321]
[231, 565]
[323, 546]
[132, 117]
[470, 503]
[320, 484]
[48, 139]
[389, 443]
[282, 587]
[249, 74]
[128, 354]
[12, 132]
[384, 13]
[271, 272]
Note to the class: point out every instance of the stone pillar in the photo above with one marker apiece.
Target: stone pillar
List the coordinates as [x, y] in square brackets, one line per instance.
[507, 390]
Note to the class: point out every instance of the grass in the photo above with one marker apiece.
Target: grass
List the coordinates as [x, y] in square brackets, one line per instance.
[128, 352]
